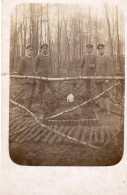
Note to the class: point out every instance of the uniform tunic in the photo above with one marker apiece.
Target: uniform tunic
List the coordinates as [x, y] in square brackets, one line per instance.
[43, 69]
[87, 61]
[104, 67]
[42, 65]
[27, 67]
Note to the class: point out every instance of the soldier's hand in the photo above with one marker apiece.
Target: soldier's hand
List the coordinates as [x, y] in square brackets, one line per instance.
[106, 81]
[49, 75]
[14, 73]
[92, 66]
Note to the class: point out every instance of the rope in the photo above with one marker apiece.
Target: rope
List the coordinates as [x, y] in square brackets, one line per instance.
[84, 103]
[50, 129]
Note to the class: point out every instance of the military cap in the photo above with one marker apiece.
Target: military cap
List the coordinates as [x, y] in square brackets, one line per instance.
[100, 46]
[89, 46]
[45, 44]
[29, 47]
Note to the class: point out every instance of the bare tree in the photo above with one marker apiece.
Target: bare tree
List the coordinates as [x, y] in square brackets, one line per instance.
[58, 41]
[66, 33]
[109, 31]
[117, 30]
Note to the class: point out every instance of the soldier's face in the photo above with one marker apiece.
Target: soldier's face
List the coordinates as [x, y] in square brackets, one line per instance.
[89, 50]
[30, 52]
[44, 50]
[101, 50]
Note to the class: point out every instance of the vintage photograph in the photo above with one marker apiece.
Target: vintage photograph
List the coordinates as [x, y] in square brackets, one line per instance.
[67, 73]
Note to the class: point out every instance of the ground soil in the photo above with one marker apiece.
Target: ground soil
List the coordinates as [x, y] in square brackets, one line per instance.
[36, 154]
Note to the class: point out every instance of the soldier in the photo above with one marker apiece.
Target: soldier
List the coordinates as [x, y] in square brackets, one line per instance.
[27, 68]
[43, 69]
[88, 63]
[103, 68]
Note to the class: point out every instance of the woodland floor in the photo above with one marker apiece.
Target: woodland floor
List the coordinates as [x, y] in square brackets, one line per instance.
[68, 154]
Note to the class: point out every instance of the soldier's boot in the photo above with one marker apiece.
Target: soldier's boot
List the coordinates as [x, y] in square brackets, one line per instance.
[26, 104]
[26, 114]
[53, 92]
[41, 101]
[30, 106]
[107, 104]
[96, 104]
[33, 110]
[101, 104]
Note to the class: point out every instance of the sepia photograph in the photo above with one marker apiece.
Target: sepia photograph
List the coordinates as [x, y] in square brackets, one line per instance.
[66, 84]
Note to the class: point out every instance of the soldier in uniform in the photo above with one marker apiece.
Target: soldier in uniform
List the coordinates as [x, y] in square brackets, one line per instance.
[27, 68]
[43, 69]
[88, 64]
[104, 67]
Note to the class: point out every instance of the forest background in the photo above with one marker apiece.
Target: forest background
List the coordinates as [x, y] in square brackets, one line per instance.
[67, 28]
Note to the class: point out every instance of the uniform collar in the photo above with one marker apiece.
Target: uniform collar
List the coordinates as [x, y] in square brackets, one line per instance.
[44, 55]
[89, 54]
[29, 56]
[101, 56]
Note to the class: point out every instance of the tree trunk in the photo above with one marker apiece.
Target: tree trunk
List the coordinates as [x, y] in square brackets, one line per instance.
[96, 30]
[34, 30]
[49, 35]
[40, 29]
[58, 44]
[118, 43]
[89, 24]
[109, 32]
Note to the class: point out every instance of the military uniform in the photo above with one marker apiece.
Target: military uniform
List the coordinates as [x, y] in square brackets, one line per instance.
[43, 69]
[27, 68]
[88, 64]
[104, 67]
